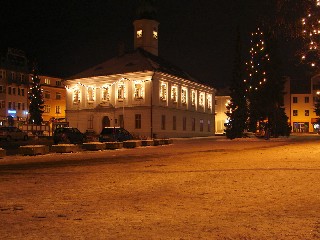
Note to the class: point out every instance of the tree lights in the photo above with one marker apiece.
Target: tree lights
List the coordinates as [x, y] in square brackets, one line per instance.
[311, 35]
[256, 66]
[36, 99]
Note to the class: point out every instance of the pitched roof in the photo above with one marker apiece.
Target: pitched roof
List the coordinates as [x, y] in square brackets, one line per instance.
[135, 61]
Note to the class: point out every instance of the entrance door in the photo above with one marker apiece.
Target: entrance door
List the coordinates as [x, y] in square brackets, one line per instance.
[105, 122]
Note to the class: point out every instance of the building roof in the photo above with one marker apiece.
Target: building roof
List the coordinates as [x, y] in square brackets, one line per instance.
[135, 61]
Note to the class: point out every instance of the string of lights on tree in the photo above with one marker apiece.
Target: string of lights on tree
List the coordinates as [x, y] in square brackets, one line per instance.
[255, 68]
[311, 35]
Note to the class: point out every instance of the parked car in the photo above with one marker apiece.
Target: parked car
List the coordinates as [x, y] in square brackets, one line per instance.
[12, 133]
[114, 134]
[68, 135]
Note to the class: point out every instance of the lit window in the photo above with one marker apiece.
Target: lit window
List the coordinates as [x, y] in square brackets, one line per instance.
[174, 94]
[183, 95]
[90, 94]
[209, 101]
[155, 34]
[163, 91]
[58, 109]
[47, 81]
[121, 91]
[138, 90]
[105, 94]
[139, 33]
[201, 99]
[193, 97]
[46, 108]
[76, 96]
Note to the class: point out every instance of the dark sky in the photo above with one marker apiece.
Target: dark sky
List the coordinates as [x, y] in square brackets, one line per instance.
[69, 36]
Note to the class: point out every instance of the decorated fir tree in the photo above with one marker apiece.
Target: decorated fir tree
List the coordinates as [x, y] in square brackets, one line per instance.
[35, 98]
[256, 79]
[310, 52]
[237, 109]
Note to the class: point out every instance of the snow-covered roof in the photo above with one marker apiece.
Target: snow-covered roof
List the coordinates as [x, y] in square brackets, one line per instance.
[135, 61]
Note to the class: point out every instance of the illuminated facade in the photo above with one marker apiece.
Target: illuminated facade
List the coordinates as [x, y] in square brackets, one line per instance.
[54, 96]
[221, 103]
[141, 92]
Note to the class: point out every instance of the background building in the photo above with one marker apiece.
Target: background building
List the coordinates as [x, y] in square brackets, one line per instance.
[54, 96]
[14, 80]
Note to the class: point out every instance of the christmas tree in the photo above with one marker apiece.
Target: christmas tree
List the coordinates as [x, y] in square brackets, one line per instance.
[256, 79]
[237, 109]
[310, 52]
[36, 98]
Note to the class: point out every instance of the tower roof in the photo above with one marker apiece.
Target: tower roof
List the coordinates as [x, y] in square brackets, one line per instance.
[146, 10]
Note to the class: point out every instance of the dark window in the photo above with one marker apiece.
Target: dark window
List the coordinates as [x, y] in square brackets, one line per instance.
[295, 99]
[121, 122]
[295, 112]
[201, 125]
[163, 122]
[174, 123]
[306, 112]
[184, 124]
[138, 121]
[306, 99]
[193, 124]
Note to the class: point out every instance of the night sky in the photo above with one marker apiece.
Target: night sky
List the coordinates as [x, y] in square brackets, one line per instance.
[69, 36]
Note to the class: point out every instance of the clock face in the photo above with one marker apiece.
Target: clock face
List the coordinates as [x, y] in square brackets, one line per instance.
[139, 33]
[155, 34]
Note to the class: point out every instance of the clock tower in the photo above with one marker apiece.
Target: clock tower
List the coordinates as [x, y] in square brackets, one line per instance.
[146, 28]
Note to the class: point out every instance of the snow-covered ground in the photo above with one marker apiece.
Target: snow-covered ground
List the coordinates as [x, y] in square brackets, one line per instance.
[206, 188]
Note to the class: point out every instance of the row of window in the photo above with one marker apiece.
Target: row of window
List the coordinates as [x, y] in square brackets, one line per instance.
[12, 105]
[47, 95]
[175, 123]
[306, 99]
[47, 81]
[197, 97]
[106, 93]
[47, 109]
[13, 91]
[14, 76]
[203, 98]
[295, 112]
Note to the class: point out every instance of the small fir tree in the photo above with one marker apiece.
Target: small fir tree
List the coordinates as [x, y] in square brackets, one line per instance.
[317, 108]
[35, 98]
[237, 109]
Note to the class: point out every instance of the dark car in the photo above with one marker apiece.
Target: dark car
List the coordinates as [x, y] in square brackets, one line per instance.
[114, 134]
[12, 133]
[68, 135]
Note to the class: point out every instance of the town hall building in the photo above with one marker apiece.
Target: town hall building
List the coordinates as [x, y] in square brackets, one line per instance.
[141, 92]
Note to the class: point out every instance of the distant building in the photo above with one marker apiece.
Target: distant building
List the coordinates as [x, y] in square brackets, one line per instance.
[302, 115]
[142, 92]
[14, 80]
[222, 99]
[54, 96]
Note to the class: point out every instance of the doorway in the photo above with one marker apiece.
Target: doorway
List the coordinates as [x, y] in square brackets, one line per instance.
[105, 122]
